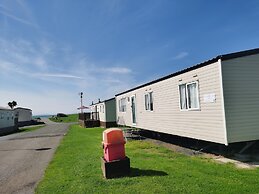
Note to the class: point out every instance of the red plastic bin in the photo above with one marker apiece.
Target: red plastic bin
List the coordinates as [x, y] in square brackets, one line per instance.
[113, 144]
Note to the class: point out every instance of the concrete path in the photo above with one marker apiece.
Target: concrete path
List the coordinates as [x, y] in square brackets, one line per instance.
[25, 156]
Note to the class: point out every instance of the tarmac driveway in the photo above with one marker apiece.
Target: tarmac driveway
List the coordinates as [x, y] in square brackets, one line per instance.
[25, 156]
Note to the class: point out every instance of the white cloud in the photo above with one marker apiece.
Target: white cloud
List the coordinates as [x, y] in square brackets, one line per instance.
[180, 56]
[117, 70]
[23, 55]
[5, 66]
[20, 12]
[56, 75]
[8, 68]
[111, 80]
[46, 102]
[40, 62]
[16, 18]
[47, 47]
[46, 76]
[37, 70]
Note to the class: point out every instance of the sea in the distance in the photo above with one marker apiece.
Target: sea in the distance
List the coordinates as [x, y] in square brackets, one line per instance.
[42, 116]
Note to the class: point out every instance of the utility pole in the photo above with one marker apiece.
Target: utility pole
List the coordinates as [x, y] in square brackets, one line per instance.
[81, 97]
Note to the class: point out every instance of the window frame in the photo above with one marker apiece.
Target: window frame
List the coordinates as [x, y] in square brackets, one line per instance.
[180, 102]
[121, 109]
[148, 101]
[187, 96]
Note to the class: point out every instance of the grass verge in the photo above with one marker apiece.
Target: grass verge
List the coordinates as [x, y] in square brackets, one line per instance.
[27, 129]
[75, 168]
[68, 119]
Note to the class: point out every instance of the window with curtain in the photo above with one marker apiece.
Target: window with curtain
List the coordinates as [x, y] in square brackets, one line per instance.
[183, 99]
[192, 96]
[189, 96]
[122, 105]
[149, 101]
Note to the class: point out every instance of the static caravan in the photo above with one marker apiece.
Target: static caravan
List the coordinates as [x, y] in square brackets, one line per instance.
[7, 121]
[24, 115]
[216, 101]
[106, 112]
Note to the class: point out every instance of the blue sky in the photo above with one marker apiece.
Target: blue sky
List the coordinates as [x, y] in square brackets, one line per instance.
[51, 50]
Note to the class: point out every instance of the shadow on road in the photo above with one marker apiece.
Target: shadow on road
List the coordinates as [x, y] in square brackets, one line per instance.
[37, 149]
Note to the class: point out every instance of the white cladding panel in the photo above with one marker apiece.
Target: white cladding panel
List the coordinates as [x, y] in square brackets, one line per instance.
[6, 118]
[241, 96]
[100, 108]
[23, 114]
[205, 124]
[106, 110]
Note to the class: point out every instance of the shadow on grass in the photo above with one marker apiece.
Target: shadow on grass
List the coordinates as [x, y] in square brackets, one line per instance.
[136, 172]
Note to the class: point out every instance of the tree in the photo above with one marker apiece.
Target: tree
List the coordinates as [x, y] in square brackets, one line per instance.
[12, 104]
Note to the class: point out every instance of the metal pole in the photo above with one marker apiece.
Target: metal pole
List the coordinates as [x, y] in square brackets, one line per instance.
[81, 95]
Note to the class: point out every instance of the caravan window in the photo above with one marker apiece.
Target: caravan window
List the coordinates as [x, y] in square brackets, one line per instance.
[183, 99]
[149, 101]
[146, 102]
[122, 105]
[189, 96]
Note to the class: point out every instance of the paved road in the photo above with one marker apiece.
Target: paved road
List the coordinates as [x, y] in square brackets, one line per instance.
[25, 156]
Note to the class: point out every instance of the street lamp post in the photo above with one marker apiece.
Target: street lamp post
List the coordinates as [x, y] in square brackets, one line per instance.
[81, 97]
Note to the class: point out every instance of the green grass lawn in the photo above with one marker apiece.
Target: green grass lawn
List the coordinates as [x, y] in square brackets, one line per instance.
[68, 119]
[75, 168]
[27, 129]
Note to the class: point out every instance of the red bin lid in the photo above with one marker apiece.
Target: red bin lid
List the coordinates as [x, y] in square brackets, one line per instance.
[113, 136]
